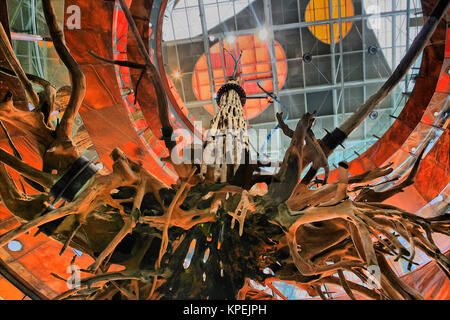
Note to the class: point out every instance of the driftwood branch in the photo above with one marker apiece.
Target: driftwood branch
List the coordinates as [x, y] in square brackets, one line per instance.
[154, 77]
[77, 76]
[33, 78]
[121, 63]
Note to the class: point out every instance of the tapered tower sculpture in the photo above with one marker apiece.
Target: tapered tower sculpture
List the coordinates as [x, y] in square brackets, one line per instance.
[227, 141]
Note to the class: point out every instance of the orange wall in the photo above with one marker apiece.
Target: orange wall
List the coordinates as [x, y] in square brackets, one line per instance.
[8, 291]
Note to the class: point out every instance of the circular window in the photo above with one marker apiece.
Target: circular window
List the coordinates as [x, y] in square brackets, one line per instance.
[15, 246]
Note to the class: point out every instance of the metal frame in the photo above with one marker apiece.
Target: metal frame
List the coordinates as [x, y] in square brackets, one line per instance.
[34, 55]
[336, 55]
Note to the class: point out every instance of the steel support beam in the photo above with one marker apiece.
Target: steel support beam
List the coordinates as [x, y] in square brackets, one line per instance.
[319, 88]
[201, 7]
[341, 58]
[302, 51]
[273, 58]
[393, 46]
[288, 26]
[293, 122]
[408, 25]
[333, 64]
[364, 47]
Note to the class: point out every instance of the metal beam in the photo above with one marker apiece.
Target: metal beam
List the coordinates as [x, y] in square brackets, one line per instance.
[312, 89]
[273, 58]
[364, 47]
[201, 7]
[393, 46]
[408, 25]
[302, 51]
[289, 26]
[294, 121]
[333, 64]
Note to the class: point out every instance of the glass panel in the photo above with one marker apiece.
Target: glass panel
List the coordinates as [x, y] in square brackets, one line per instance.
[27, 17]
[40, 58]
[370, 38]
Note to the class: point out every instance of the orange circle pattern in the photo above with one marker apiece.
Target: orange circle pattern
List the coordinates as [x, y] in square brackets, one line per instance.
[318, 10]
[255, 65]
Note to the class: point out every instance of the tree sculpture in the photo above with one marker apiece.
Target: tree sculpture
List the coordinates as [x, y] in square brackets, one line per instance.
[306, 236]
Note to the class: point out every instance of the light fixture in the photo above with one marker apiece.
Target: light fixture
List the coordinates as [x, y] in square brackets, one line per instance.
[15, 246]
[372, 50]
[177, 75]
[307, 57]
[230, 38]
[212, 38]
[263, 34]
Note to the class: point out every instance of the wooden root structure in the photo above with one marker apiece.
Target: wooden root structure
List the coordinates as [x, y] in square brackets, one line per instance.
[308, 237]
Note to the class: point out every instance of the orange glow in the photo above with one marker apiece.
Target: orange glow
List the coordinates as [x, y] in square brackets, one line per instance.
[255, 65]
[319, 10]
[177, 75]
[8, 291]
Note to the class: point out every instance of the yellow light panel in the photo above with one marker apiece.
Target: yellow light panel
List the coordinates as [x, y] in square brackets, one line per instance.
[318, 10]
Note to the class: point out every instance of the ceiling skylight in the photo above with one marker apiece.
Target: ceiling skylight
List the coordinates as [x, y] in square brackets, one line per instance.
[182, 17]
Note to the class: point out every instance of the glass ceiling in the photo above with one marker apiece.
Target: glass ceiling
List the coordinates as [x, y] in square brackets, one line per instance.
[342, 73]
[183, 26]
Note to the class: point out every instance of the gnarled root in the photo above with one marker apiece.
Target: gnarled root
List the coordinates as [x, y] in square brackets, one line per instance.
[241, 212]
